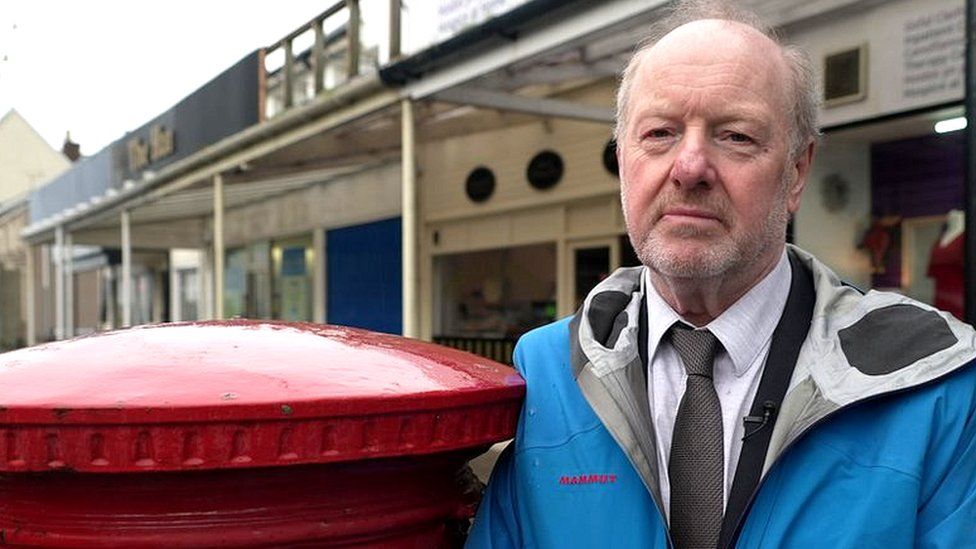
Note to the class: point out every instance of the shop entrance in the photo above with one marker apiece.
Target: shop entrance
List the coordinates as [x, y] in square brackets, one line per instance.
[364, 274]
[592, 260]
[485, 300]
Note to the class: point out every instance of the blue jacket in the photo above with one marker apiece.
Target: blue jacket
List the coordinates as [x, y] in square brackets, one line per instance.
[874, 444]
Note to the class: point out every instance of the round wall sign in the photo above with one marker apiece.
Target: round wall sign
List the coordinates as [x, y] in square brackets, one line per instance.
[480, 184]
[545, 170]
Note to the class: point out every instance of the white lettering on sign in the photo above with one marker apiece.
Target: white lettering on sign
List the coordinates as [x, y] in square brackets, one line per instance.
[934, 53]
[453, 16]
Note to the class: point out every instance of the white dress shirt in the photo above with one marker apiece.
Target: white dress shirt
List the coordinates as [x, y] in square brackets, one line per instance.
[745, 330]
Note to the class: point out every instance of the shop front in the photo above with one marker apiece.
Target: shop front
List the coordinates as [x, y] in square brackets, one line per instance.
[885, 207]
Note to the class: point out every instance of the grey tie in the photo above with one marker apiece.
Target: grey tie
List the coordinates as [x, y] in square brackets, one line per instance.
[696, 465]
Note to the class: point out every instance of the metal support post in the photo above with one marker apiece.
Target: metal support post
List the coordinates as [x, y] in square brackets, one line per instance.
[288, 72]
[30, 307]
[59, 282]
[409, 221]
[69, 286]
[318, 56]
[394, 29]
[218, 246]
[319, 275]
[126, 270]
[352, 37]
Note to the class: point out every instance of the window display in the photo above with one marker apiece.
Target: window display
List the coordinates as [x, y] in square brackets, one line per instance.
[946, 264]
[915, 239]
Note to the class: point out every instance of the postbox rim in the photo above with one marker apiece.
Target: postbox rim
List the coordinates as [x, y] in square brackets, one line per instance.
[129, 400]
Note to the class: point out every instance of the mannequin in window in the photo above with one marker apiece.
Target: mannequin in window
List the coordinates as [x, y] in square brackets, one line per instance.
[878, 240]
[946, 264]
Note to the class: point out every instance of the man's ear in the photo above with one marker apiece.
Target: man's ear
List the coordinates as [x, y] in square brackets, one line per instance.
[801, 168]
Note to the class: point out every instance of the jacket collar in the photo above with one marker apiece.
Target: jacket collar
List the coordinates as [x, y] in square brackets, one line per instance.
[859, 346]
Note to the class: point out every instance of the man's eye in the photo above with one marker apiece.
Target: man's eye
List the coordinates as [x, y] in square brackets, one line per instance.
[736, 137]
[657, 133]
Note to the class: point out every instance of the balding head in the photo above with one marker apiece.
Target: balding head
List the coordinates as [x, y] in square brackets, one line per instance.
[713, 160]
[717, 26]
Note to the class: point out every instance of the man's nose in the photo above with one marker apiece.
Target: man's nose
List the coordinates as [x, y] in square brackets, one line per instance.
[692, 166]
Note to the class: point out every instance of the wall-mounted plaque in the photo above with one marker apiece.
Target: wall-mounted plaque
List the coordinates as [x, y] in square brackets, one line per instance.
[480, 184]
[545, 170]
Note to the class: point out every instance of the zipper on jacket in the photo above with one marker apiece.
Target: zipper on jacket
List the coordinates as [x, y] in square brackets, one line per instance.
[734, 539]
[657, 505]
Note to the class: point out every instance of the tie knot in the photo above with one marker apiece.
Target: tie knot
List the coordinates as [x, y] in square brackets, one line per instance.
[696, 348]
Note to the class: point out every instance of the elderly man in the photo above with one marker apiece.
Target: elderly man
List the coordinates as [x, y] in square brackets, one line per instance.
[733, 391]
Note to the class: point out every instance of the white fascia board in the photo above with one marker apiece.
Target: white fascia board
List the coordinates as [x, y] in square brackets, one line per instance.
[594, 18]
[531, 105]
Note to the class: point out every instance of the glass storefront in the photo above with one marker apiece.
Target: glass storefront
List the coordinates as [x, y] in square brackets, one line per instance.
[247, 281]
[149, 290]
[898, 188]
[270, 280]
[189, 284]
[496, 293]
[292, 281]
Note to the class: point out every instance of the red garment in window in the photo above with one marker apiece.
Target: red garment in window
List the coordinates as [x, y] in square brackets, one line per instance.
[946, 268]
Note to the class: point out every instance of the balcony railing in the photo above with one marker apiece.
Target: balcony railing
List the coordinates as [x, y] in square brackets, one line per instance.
[497, 349]
[317, 56]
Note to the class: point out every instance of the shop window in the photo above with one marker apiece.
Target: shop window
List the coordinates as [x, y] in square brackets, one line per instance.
[142, 292]
[592, 266]
[917, 223]
[293, 260]
[496, 293]
[189, 288]
[247, 281]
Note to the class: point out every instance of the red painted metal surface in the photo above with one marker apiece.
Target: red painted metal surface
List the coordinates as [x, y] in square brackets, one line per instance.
[244, 433]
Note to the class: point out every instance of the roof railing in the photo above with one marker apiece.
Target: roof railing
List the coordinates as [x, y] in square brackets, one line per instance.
[319, 56]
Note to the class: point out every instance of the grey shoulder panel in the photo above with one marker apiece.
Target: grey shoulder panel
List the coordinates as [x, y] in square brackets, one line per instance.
[577, 359]
[607, 316]
[888, 339]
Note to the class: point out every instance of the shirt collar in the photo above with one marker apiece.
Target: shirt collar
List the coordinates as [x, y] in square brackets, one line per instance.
[743, 329]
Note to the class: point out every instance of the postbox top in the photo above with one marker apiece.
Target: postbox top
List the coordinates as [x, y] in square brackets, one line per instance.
[178, 384]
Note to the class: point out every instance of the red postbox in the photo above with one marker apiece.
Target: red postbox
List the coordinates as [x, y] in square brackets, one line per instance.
[244, 434]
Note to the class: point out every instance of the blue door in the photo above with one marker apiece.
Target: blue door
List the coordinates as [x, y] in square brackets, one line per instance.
[364, 285]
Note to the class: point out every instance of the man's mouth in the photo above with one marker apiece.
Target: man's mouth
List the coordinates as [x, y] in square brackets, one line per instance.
[689, 215]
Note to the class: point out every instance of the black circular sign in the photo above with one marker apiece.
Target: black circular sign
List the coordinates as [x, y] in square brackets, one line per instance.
[480, 184]
[545, 170]
[610, 158]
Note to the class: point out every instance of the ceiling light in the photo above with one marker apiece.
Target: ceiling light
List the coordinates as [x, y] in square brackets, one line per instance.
[950, 125]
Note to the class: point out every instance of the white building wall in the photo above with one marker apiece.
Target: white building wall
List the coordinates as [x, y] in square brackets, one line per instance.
[366, 196]
[833, 235]
[916, 55]
[26, 160]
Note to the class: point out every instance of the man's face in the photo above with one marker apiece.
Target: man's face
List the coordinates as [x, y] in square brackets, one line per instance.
[707, 178]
